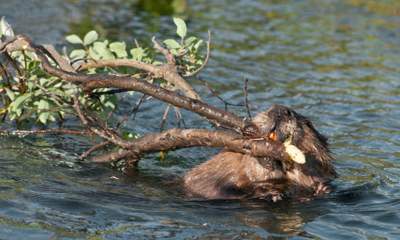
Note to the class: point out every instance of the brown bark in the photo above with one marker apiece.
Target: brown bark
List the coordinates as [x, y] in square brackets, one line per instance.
[91, 82]
[184, 138]
[167, 72]
[170, 139]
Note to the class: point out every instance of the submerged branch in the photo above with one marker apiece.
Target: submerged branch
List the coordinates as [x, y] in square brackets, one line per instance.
[24, 133]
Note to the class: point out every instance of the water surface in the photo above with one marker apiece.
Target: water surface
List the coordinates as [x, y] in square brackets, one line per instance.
[337, 62]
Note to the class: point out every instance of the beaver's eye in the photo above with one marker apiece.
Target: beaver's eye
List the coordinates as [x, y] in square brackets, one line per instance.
[272, 136]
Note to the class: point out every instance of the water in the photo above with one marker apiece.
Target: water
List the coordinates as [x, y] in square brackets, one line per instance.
[337, 62]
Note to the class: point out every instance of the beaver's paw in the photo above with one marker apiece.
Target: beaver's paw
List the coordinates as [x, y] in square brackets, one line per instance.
[321, 189]
[275, 195]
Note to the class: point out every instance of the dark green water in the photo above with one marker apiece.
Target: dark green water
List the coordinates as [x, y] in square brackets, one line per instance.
[337, 62]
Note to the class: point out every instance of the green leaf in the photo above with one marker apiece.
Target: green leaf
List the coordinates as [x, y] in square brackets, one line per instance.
[119, 48]
[1, 27]
[52, 118]
[129, 135]
[77, 54]
[198, 44]
[5, 28]
[43, 105]
[43, 81]
[100, 51]
[30, 85]
[70, 89]
[58, 84]
[94, 54]
[190, 40]
[137, 53]
[10, 94]
[74, 39]
[172, 44]
[43, 117]
[19, 100]
[180, 27]
[90, 37]
[109, 104]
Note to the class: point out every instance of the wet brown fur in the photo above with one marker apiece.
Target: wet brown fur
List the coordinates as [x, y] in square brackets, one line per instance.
[230, 175]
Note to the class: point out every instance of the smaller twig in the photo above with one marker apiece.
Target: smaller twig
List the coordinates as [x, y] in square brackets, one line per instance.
[136, 43]
[109, 115]
[25, 61]
[5, 43]
[208, 54]
[78, 111]
[78, 63]
[167, 54]
[215, 94]
[101, 130]
[4, 74]
[133, 112]
[13, 63]
[57, 58]
[246, 100]
[179, 117]
[164, 117]
[57, 99]
[93, 149]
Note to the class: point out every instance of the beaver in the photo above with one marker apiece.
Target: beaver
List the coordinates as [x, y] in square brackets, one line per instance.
[232, 175]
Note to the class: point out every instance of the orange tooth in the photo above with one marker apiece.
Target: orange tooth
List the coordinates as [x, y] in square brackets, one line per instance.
[272, 136]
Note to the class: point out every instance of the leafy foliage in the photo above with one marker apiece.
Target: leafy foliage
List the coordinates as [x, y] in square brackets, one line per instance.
[29, 94]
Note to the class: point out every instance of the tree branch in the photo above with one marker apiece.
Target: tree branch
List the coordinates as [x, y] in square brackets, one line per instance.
[165, 71]
[91, 82]
[184, 138]
[93, 149]
[243, 141]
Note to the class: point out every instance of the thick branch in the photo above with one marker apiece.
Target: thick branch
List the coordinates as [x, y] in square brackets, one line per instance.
[168, 140]
[183, 138]
[91, 82]
[212, 113]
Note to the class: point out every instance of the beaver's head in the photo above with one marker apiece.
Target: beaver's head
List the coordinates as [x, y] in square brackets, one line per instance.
[284, 125]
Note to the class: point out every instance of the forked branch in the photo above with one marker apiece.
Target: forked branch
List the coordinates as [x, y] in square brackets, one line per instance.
[244, 140]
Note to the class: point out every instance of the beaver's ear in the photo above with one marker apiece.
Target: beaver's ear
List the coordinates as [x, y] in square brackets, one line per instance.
[264, 121]
[313, 142]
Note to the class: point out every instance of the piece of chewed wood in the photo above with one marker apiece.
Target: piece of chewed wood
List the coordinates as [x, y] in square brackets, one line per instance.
[295, 153]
